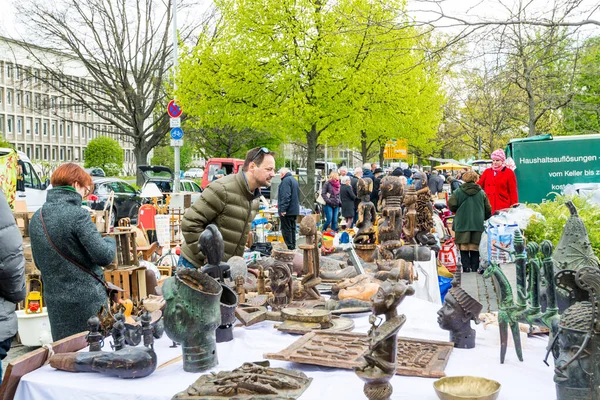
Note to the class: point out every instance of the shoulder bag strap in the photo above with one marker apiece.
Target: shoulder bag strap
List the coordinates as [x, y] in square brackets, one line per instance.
[87, 271]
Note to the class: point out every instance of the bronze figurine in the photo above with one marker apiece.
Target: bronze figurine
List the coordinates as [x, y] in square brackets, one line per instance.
[211, 245]
[229, 302]
[456, 314]
[380, 360]
[191, 316]
[94, 338]
[280, 279]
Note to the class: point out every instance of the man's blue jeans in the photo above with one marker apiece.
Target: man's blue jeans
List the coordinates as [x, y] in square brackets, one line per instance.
[4, 348]
[331, 217]
[182, 262]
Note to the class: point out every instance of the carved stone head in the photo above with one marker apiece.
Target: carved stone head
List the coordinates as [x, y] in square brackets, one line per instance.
[364, 187]
[191, 315]
[456, 314]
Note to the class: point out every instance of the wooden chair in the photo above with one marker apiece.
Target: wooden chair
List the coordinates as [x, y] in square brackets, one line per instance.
[31, 361]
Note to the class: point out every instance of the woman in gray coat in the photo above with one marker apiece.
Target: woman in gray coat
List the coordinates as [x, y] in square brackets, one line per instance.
[12, 276]
[71, 295]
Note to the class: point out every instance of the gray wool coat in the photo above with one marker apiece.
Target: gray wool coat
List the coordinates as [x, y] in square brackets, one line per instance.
[71, 295]
[12, 270]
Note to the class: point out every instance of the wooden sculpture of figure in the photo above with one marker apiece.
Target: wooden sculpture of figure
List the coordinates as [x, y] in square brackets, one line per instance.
[409, 227]
[380, 360]
[456, 314]
[390, 223]
[311, 268]
[211, 245]
[281, 285]
[366, 213]
[191, 315]
[94, 337]
[239, 288]
[361, 287]
[424, 208]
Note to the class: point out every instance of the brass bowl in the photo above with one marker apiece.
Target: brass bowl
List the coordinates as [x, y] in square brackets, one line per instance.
[466, 387]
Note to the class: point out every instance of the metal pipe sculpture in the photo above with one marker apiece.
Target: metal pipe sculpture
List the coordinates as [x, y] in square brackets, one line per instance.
[379, 364]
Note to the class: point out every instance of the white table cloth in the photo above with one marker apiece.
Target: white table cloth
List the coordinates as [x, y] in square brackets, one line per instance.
[530, 379]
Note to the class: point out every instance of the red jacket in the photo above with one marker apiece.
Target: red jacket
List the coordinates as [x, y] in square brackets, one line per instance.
[501, 189]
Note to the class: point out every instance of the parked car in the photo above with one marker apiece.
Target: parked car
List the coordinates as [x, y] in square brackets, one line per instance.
[126, 203]
[163, 178]
[229, 165]
[195, 173]
[95, 171]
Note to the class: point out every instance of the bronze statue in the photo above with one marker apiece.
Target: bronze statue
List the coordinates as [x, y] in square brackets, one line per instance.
[94, 338]
[366, 213]
[118, 335]
[380, 360]
[576, 346]
[147, 330]
[311, 268]
[281, 283]
[250, 381]
[390, 223]
[211, 245]
[456, 314]
[132, 362]
[191, 315]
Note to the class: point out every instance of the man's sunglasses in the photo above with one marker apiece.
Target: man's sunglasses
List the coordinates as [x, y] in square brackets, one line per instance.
[259, 152]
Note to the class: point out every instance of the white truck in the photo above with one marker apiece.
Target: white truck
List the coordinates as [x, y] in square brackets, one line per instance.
[35, 190]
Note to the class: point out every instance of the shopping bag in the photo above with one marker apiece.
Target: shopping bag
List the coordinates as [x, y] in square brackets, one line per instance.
[448, 255]
[500, 239]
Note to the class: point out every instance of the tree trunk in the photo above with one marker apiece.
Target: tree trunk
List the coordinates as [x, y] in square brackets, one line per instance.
[311, 144]
[364, 149]
[141, 158]
[381, 151]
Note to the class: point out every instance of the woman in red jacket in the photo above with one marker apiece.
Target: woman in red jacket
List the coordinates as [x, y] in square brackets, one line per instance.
[499, 183]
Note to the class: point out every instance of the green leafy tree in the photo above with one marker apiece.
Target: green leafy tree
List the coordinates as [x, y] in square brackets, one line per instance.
[5, 143]
[301, 68]
[105, 153]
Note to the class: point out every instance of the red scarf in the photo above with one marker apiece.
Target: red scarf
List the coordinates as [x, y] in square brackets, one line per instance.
[335, 185]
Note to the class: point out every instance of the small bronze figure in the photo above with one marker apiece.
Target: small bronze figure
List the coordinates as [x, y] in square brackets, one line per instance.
[380, 360]
[118, 335]
[191, 316]
[132, 362]
[281, 283]
[456, 314]
[147, 330]
[94, 337]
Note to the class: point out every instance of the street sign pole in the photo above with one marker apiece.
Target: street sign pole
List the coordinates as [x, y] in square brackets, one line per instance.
[175, 56]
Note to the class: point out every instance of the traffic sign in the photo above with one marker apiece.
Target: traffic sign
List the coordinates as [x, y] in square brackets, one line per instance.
[176, 133]
[176, 142]
[175, 122]
[174, 109]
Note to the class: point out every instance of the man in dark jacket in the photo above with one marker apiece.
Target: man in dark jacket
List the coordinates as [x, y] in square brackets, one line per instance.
[231, 203]
[376, 183]
[12, 276]
[435, 183]
[288, 203]
[358, 174]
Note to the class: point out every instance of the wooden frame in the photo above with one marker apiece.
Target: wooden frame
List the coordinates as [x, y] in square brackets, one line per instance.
[31, 361]
[132, 280]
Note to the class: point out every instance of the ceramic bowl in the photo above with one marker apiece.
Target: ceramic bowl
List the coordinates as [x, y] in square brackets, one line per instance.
[466, 387]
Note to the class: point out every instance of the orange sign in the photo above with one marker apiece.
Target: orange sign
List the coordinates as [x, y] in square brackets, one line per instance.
[395, 149]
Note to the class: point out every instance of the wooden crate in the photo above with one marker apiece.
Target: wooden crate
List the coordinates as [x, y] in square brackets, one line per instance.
[131, 279]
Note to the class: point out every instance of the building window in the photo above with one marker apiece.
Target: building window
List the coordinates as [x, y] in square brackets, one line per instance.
[18, 98]
[9, 96]
[69, 130]
[17, 72]
[45, 128]
[36, 101]
[2, 124]
[62, 154]
[19, 125]
[46, 153]
[1, 95]
[53, 154]
[9, 124]
[28, 152]
[28, 123]
[9, 69]
[53, 128]
[53, 102]
[27, 99]
[36, 128]
[37, 152]
[61, 128]
[76, 131]
[69, 155]
[83, 129]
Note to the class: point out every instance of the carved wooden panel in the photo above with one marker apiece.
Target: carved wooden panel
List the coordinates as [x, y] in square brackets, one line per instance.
[416, 357]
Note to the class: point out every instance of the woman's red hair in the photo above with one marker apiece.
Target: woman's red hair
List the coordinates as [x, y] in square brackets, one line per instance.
[68, 174]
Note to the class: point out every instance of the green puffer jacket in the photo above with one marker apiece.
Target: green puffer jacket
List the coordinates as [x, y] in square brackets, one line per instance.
[471, 206]
[227, 203]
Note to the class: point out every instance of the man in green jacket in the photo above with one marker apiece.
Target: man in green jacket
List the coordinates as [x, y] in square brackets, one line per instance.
[231, 203]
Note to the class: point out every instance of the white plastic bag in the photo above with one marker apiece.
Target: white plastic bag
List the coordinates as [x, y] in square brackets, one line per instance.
[500, 236]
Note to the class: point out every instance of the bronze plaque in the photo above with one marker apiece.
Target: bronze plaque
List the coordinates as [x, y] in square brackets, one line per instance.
[416, 357]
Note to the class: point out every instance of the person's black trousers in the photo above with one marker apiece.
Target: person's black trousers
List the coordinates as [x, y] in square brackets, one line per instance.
[288, 230]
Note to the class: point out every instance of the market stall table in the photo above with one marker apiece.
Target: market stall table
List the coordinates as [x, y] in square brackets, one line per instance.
[530, 379]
